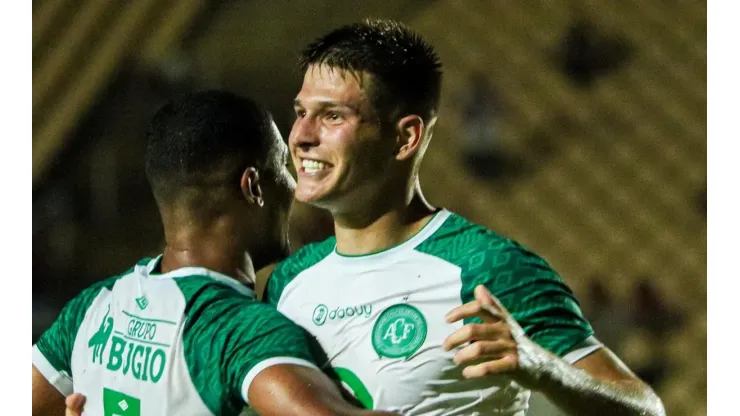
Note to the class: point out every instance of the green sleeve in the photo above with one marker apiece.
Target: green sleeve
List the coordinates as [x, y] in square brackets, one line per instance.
[273, 336]
[226, 335]
[276, 282]
[532, 292]
[57, 342]
[289, 269]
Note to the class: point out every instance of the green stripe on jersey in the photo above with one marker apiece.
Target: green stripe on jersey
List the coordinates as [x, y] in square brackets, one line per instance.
[57, 342]
[227, 333]
[287, 270]
[525, 284]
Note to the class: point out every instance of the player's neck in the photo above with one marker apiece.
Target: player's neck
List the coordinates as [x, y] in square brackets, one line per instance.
[384, 228]
[216, 247]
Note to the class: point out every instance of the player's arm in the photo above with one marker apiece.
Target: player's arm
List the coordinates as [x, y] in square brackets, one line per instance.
[283, 389]
[276, 373]
[266, 361]
[287, 389]
[544, 343]
[598, 383]
[51, 356]
[46, 399]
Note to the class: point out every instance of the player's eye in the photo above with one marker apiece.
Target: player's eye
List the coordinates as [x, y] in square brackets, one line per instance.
[300, 113]
[334, 117]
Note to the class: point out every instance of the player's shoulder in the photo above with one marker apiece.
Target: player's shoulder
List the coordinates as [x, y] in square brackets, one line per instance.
[92, 291]
[214, 303]
[458, 236]
[206, 291]
[306, 257]
[461, 230]
[287, 270]
[471, 245]
[216, 312]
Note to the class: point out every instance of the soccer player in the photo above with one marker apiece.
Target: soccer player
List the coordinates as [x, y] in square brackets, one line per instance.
[418, 309]
[181, 334]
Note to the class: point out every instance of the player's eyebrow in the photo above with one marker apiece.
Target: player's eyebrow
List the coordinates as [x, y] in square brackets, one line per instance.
[324, 104]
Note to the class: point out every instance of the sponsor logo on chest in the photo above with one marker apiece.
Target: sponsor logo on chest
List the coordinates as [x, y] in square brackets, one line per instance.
[399, 330]
[323, 313]
[133, 352]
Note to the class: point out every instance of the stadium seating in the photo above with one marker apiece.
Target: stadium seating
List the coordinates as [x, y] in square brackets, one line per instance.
[79, 46]
[617, 195]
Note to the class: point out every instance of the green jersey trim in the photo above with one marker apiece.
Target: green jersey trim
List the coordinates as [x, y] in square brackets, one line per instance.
[432, 223]
[390, 255]
[587, 347]
[312, 254]
[57, 343]
[59, 379]
[525, 283]
[249, 378]
[226, 334]
[291, 267]
[152, 264]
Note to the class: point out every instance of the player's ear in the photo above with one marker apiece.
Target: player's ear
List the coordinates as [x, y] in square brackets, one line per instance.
[409, 133]
[250, 185]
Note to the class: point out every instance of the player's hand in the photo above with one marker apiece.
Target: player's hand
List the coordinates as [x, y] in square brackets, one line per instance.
[75, 403]
[497, 346]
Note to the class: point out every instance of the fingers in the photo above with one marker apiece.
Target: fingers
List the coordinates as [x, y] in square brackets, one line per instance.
[474, 309]
[505, 364]
[491, 342]
[74, 403]
[485, 297]
[489, 350]
[485, 306]
[475, 332]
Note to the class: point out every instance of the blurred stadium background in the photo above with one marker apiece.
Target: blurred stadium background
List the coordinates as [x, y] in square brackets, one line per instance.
[577, 127]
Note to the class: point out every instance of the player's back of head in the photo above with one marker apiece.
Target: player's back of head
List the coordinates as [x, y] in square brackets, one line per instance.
[406, 71]
[199, 144]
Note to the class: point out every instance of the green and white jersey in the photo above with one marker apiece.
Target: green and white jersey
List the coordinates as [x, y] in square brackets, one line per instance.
[188, 342]
[380, 317]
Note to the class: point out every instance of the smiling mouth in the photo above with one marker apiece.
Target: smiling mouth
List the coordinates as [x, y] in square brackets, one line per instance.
[311, 166]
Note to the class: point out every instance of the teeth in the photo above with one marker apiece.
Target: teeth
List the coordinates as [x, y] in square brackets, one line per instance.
[311, 166]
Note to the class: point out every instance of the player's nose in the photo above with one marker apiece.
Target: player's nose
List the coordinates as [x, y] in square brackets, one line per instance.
[304, 133]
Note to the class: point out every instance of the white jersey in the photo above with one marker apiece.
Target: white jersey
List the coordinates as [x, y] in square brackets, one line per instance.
[380, 317]
[188, 342]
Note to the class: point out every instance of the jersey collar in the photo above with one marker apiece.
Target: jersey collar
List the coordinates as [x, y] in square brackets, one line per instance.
[146, 270]
[388, 254]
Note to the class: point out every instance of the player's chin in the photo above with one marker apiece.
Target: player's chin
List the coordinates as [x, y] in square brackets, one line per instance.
[312, 194]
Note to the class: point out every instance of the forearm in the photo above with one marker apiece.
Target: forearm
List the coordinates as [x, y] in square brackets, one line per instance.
[579, 393]
[46, 399]
[287, 389]
[598, 384]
